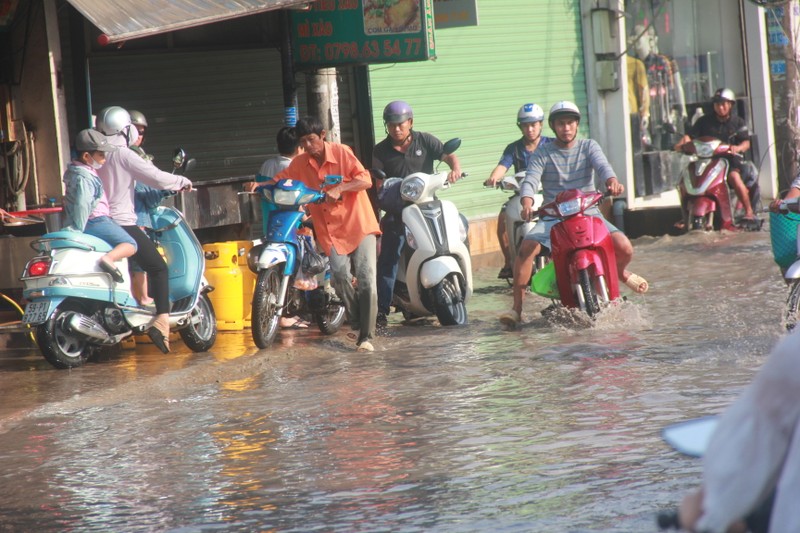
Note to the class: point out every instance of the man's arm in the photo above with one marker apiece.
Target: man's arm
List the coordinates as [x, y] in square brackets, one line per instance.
[455, 167]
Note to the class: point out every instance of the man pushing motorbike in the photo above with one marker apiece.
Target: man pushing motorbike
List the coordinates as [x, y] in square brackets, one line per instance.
[403, 152]
[722, 124]
[567, 163]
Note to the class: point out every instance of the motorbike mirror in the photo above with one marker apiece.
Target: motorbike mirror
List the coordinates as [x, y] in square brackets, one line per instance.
[691, 437]
[190, 164]
[178, 158]
[377, 174]
[332, 179]
[451, 146]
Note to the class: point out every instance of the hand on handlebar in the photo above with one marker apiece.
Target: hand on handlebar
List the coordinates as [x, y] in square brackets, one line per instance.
[614, 187]
[455, 175]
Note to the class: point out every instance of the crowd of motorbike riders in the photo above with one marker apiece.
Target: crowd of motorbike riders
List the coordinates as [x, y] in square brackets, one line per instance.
[347, 226]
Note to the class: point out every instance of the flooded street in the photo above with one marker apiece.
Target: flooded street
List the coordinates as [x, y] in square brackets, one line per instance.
[555, 427]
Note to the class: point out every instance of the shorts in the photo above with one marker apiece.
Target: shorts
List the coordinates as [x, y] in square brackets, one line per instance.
[108, 230]
[541, 231]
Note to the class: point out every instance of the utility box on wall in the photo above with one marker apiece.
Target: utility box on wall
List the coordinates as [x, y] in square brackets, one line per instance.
[607, 75]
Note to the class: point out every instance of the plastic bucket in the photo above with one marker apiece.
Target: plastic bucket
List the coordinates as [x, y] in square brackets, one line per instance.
[783, 236]
[248, 281]
[544, 283]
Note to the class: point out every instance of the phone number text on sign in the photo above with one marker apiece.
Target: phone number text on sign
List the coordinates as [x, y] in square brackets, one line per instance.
[372, 49]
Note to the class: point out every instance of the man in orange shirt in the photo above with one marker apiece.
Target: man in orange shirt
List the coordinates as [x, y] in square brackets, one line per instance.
[344, 225]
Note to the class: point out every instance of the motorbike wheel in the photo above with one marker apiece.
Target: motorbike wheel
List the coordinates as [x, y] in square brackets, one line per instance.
[448, 302]
[266, 312]
[792, 305]
[60, 347]
[332, 319]
[201, 332]
[588, 296]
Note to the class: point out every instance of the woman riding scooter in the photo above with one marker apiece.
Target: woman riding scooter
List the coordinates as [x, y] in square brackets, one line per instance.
[122, 170]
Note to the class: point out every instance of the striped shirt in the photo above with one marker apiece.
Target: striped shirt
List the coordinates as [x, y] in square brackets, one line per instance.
[561, 169]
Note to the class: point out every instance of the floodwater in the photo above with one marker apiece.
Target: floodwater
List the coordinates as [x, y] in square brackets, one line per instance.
[555, 427]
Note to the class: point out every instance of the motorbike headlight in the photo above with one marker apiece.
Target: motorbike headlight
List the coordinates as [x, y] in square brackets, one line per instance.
[569, 207]
[267, 195]
[704, 150]
[411, 189]
[283, 197]
[410, 240]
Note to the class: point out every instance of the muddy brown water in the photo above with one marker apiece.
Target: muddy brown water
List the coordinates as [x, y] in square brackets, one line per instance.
[555, 427]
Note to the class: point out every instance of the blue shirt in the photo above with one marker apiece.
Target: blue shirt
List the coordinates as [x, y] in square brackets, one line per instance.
[82, 191]
[517, 156]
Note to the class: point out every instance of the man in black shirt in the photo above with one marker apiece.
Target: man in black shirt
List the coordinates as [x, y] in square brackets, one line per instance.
[731, 129]
[403, 152]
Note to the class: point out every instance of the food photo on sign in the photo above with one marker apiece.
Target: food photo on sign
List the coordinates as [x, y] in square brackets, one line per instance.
[391, 16]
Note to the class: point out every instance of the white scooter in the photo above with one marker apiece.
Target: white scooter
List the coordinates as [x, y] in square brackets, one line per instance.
[434, 276]
[516, 227]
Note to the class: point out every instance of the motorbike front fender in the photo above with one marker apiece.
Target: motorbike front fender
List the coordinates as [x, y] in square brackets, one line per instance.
[793, 272]
[435, 270]
[701, 206]
[275, 254]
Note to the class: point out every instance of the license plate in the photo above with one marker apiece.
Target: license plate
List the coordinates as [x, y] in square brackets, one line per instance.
[36, 312]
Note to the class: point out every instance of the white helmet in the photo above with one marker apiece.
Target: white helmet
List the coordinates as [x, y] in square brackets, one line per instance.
[563, 108]
[530, 113]
[114, 120]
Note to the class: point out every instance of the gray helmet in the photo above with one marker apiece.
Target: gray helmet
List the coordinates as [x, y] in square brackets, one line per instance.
[530, 113]
[397, 112]
[137, 118]
[112, 120]
[724, 95]
[563, 108]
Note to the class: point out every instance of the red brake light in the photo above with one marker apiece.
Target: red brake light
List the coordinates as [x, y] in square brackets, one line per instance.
[39, 267]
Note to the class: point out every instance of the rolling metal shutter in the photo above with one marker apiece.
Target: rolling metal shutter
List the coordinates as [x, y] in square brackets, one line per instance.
[520, 52]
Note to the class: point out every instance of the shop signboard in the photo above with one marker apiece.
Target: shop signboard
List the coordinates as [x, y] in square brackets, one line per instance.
[342, 32]
[455, 13]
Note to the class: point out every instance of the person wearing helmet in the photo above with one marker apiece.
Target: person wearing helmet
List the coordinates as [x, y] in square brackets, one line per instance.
[403, 152]
[119, 175]
[517, 154]
[140, 122]
[564, 164]
[722, 124]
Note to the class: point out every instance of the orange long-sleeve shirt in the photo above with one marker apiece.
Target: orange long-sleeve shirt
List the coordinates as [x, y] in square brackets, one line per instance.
[340, 225]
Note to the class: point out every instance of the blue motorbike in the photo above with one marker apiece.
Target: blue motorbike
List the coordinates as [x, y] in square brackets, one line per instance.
[292, 278]
[76, 308]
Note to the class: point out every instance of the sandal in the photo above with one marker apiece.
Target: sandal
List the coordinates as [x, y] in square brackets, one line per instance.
[111, 270]
[637, 283]
[505, 273]
[159, 334]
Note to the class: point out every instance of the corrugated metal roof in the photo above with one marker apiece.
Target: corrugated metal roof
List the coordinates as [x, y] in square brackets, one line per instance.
[128, 19]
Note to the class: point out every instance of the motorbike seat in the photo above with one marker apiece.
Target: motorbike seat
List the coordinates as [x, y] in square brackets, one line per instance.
[70, 239]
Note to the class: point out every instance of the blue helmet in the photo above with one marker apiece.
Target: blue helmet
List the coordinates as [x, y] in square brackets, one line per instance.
[397, 112]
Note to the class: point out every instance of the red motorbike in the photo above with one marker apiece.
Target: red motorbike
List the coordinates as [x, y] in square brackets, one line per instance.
[703, 187]
[582, 253]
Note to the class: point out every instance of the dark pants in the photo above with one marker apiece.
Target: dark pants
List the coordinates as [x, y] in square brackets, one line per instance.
[150, 260]
[392, 241]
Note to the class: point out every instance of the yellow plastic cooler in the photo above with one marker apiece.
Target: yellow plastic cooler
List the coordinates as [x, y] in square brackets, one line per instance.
[224, 274]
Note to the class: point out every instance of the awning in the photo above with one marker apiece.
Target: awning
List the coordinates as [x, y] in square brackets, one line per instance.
[120, 20]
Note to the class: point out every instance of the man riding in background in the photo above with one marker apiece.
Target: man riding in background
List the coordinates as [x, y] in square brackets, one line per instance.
[565, 164]
[722, 124]
[518, 153]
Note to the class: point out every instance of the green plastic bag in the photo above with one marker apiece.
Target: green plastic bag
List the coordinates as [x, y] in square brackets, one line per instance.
[544, 283]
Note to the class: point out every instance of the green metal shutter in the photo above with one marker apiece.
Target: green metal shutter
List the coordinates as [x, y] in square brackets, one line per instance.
[522, 51]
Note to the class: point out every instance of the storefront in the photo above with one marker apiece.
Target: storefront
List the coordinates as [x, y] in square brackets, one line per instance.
[677, 54]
